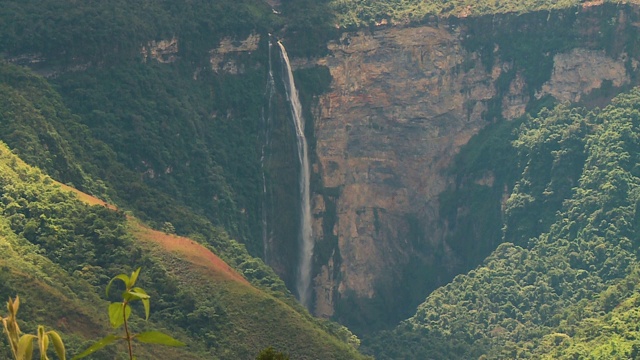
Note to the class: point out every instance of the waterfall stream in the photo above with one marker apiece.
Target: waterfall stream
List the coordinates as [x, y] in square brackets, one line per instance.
[266, 123]
[305, 236]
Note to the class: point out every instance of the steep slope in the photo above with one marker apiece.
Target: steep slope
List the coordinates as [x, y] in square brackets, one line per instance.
[563, 291]
[158, 101]
[40, 128]
[58, 254]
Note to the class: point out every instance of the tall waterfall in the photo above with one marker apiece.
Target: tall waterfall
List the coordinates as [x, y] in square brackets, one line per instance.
[266, 123]
[305, 235]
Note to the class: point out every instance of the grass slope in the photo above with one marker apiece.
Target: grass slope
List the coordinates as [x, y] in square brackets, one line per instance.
[258, 318]
[49, 294]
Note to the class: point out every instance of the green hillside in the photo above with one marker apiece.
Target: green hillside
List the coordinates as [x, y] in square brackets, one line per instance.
[58, 254]
[565, 283]
[161, 139]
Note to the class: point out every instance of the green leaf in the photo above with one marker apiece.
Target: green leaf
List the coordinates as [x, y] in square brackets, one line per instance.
[43, 343]
[134, 278]
[97, 346]
[122, 277]
[25, 347]
[58, 345]
[145, 302]
[13, 306]
[134, 295]
[147, 307]
[156, 337]
[116, 315]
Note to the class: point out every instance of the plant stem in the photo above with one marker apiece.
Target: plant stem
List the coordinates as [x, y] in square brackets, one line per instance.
[126, 329]
[11, 342]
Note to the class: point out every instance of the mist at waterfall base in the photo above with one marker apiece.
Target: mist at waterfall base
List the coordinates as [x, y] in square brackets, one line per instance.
[305, 235]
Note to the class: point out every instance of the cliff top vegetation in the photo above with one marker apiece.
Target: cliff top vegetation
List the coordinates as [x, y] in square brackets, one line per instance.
[357, 13]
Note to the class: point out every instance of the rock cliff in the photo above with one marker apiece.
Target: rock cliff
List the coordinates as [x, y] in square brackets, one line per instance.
[403, 100]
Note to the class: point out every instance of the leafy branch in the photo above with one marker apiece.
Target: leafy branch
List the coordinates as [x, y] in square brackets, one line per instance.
[119, 313]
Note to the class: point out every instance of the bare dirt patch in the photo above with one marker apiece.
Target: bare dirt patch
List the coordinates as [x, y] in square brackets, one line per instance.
[192, 251]
[86, 198]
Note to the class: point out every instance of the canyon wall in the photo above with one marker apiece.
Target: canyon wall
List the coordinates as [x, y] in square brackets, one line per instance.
[402, 103]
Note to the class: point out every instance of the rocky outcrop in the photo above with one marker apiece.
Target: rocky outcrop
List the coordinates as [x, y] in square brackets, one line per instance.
[221, 61]
[402, 103]
[163, 51]
[580, 71]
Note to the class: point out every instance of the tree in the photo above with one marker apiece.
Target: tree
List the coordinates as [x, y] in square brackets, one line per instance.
[271, 354]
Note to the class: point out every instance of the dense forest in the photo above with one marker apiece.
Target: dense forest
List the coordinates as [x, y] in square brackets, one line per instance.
[356, 13]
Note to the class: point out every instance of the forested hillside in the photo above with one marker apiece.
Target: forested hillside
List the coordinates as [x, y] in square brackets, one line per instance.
[162, 136]
[59, 253]
[564, 284]
[146, 136]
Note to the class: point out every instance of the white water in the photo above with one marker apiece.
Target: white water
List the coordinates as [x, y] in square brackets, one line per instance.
[305, 236]
[266, 123]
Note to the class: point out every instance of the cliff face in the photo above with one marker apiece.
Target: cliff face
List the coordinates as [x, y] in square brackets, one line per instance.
[398, 110]
[402, 103]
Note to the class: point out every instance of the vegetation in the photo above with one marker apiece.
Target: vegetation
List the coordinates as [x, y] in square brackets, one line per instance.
[57, 252]
[356, 13]
[119, 313]
[271, 354]
[22, 344]
[34, 111]
[105, 31]
[564, 284]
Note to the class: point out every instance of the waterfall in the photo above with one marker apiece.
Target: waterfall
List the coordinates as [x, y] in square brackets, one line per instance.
[266, 123]
[305, 236]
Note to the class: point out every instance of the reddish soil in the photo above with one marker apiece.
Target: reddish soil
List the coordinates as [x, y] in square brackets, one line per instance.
[191, 250]
[86, 198]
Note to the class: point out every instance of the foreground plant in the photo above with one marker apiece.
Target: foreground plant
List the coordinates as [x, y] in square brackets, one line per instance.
[22, 345]
[119, 313]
